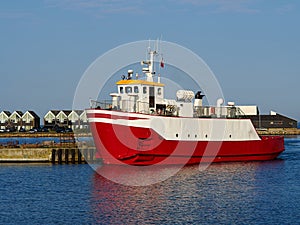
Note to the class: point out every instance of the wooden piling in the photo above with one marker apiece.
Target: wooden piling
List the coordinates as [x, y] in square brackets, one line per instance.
[59, 156]
[53, 156]
[79, 156]
[66, 155]
[73, 155]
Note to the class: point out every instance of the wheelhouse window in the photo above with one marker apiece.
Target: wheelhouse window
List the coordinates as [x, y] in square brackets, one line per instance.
[144, 90]
[128, 90]
[159, 91]
[136, 89]
[121, 90]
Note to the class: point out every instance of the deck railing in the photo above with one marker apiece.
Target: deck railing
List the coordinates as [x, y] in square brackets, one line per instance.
[170, 110]
[105, 104]
[218, 112]
[123, 105]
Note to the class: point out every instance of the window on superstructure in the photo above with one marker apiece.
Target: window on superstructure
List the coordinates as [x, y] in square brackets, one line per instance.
[159, 91]
[136, 89]
[128, 90]
[144, 90]
[121, 90]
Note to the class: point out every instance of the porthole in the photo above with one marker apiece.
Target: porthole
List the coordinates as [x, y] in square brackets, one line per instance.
[205, 135]
[176, 135]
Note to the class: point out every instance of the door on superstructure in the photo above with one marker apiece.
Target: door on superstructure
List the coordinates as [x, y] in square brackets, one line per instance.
[151, 97]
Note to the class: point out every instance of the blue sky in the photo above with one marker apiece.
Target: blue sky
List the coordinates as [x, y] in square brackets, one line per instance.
[251, 46]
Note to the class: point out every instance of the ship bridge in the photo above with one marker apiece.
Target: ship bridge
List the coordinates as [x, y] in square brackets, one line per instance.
[142, 96]
[139, 96]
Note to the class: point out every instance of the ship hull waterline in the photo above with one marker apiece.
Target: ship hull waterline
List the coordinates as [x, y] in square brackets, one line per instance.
[136, 148]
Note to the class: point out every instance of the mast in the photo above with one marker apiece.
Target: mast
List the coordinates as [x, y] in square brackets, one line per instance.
[149, 71]
[151, 65]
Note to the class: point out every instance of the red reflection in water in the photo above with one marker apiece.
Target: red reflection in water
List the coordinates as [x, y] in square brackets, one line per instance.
[190, 195]
[116, 203]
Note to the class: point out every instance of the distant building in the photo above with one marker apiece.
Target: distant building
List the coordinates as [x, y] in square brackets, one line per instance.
[83, 120]
[4, 119]
[74, 119]
[50, 120]
[30, 120]
[78, 119]
[249, 110]
[274, 120]
[62, 118]
[15, 120]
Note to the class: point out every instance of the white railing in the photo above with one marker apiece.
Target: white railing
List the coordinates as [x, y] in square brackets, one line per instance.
[218, 112]
[105, 104]
[169, 110]
[123, 105]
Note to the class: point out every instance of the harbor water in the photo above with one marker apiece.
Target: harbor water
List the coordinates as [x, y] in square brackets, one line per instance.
[224, 193]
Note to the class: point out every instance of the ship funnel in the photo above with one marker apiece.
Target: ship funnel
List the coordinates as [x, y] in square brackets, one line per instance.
[198, 99]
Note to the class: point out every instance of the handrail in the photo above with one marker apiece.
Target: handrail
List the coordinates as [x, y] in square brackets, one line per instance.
[218, 112]
[123, 105]
[143, 107]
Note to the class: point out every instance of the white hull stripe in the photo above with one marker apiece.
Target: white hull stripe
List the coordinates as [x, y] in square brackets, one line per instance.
[190, 130]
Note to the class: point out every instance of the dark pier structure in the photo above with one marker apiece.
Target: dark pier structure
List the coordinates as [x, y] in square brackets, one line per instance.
[73, 155]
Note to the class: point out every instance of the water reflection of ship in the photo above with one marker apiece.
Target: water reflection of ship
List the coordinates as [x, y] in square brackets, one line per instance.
[122, 204]
[189, 191]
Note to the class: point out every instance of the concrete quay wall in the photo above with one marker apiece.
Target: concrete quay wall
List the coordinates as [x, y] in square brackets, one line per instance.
[279, 131]
[25, 155]
[49, 155]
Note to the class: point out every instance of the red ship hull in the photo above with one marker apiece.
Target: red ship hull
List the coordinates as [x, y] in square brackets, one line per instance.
[143, 146]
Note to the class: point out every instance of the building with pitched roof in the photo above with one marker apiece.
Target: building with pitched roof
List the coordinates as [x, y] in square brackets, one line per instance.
[15, 120]
[4, 119]
[50, 120]
[30, 120]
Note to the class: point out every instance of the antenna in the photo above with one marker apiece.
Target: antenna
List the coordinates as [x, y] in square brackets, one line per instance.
[160, 51]
[149, 46]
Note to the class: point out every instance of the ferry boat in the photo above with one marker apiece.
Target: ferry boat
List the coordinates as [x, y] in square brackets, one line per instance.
[139, 126]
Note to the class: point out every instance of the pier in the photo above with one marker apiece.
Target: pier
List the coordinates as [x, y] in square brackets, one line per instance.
[279, 131]
[48, 155]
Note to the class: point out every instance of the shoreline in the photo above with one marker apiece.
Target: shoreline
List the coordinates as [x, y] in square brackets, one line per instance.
[35, 135]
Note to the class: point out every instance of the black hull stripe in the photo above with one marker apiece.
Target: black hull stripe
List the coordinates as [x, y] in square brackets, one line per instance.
[217, 156]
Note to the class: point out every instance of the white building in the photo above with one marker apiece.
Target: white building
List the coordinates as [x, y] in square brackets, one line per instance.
[4, 119]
